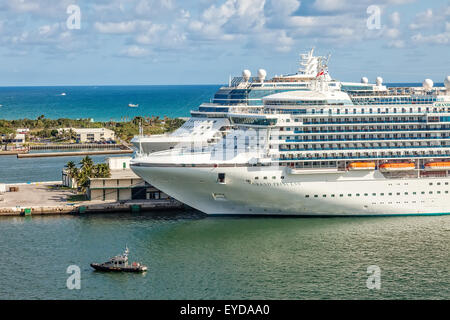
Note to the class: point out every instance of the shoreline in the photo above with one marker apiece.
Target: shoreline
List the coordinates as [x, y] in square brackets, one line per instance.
[49, 198]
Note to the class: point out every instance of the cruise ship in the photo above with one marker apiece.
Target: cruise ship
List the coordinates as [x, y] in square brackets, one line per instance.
[318, 152]
[210, 120]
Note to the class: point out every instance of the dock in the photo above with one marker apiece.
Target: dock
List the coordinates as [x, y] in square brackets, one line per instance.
[50, 198]
[74, 153]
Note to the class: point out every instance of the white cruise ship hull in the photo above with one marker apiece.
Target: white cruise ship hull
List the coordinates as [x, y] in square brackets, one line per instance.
[346, 193]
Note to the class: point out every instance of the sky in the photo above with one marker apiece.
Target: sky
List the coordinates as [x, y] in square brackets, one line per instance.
[151, 42]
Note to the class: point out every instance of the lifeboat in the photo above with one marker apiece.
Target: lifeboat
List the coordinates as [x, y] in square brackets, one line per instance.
[361, 166]
[402, 166]
[438, 166]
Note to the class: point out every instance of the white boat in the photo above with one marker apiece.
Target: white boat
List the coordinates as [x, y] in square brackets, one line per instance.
[293, 155]
[133, 105]
[63, 94]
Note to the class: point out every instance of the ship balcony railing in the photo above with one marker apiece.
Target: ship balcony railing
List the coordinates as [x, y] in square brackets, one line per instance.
[365, 122]
[365, 157]
[365, 130]
[364, 139]
[363, 148]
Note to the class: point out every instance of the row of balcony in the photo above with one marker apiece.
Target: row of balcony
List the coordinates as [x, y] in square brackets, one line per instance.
[403, 156]
[366, 139]
[366, 148]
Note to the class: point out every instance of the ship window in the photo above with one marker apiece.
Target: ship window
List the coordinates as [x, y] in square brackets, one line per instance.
[324, 195]
[333, 195]
[307, 196]
[221, 178]
[341, 195]
[374, 194]
[315, 196]
[431, 192]
[423, 192]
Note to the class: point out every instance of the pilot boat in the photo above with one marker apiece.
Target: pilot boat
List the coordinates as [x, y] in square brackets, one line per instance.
[120, 263]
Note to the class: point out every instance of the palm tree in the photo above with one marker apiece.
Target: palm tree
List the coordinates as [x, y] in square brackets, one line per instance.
[101, 170]
[70, 166]
[86, 163]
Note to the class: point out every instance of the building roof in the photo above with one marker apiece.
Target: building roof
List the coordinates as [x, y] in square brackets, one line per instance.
[120, 174]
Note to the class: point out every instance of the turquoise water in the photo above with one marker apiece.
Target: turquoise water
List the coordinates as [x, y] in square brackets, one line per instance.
[14, 170]
[195, 257]
[102, 103]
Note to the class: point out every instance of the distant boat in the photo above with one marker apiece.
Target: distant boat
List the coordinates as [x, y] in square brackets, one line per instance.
[63, 94]
[133, 105]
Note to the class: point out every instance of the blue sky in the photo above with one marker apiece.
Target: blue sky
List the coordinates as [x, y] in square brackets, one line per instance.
[205, 41]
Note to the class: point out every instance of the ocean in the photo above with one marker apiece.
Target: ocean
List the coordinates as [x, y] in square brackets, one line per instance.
[191, 256]
[102, 103]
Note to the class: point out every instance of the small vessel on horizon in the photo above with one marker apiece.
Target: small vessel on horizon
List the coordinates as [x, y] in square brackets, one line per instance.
[120, 263]
[63, 94]
[133, 105]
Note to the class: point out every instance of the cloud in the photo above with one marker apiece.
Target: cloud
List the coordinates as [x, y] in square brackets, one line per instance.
[116, 28]
[134, 52]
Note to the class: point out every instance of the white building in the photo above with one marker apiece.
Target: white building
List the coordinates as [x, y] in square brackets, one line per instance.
[91, 134]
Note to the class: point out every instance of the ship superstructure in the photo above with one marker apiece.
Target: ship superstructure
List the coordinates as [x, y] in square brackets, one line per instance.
[246, 93]
[320, 151]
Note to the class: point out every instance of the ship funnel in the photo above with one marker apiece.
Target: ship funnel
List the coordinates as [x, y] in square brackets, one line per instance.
[364, 80]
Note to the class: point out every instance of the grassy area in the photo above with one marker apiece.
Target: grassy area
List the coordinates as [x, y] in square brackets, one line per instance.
[44, 128]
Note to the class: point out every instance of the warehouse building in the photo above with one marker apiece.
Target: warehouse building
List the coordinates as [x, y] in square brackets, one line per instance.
[123, 184]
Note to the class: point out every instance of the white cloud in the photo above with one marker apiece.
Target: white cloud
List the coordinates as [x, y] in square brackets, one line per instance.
[395, 19]
[135, 52]
[116, 27]
[423, 20]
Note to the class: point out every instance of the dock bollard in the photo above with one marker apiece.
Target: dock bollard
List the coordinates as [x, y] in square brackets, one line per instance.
[135, 208]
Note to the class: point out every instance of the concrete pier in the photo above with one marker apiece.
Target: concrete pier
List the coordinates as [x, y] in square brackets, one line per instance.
[49, 198]
[73, 153]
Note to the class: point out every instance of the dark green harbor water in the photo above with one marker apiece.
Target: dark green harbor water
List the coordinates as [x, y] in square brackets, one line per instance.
[195, 257]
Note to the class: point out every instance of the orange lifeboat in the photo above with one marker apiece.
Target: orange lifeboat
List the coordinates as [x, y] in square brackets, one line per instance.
[401, 166]
[438, 165]
[361, 166]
